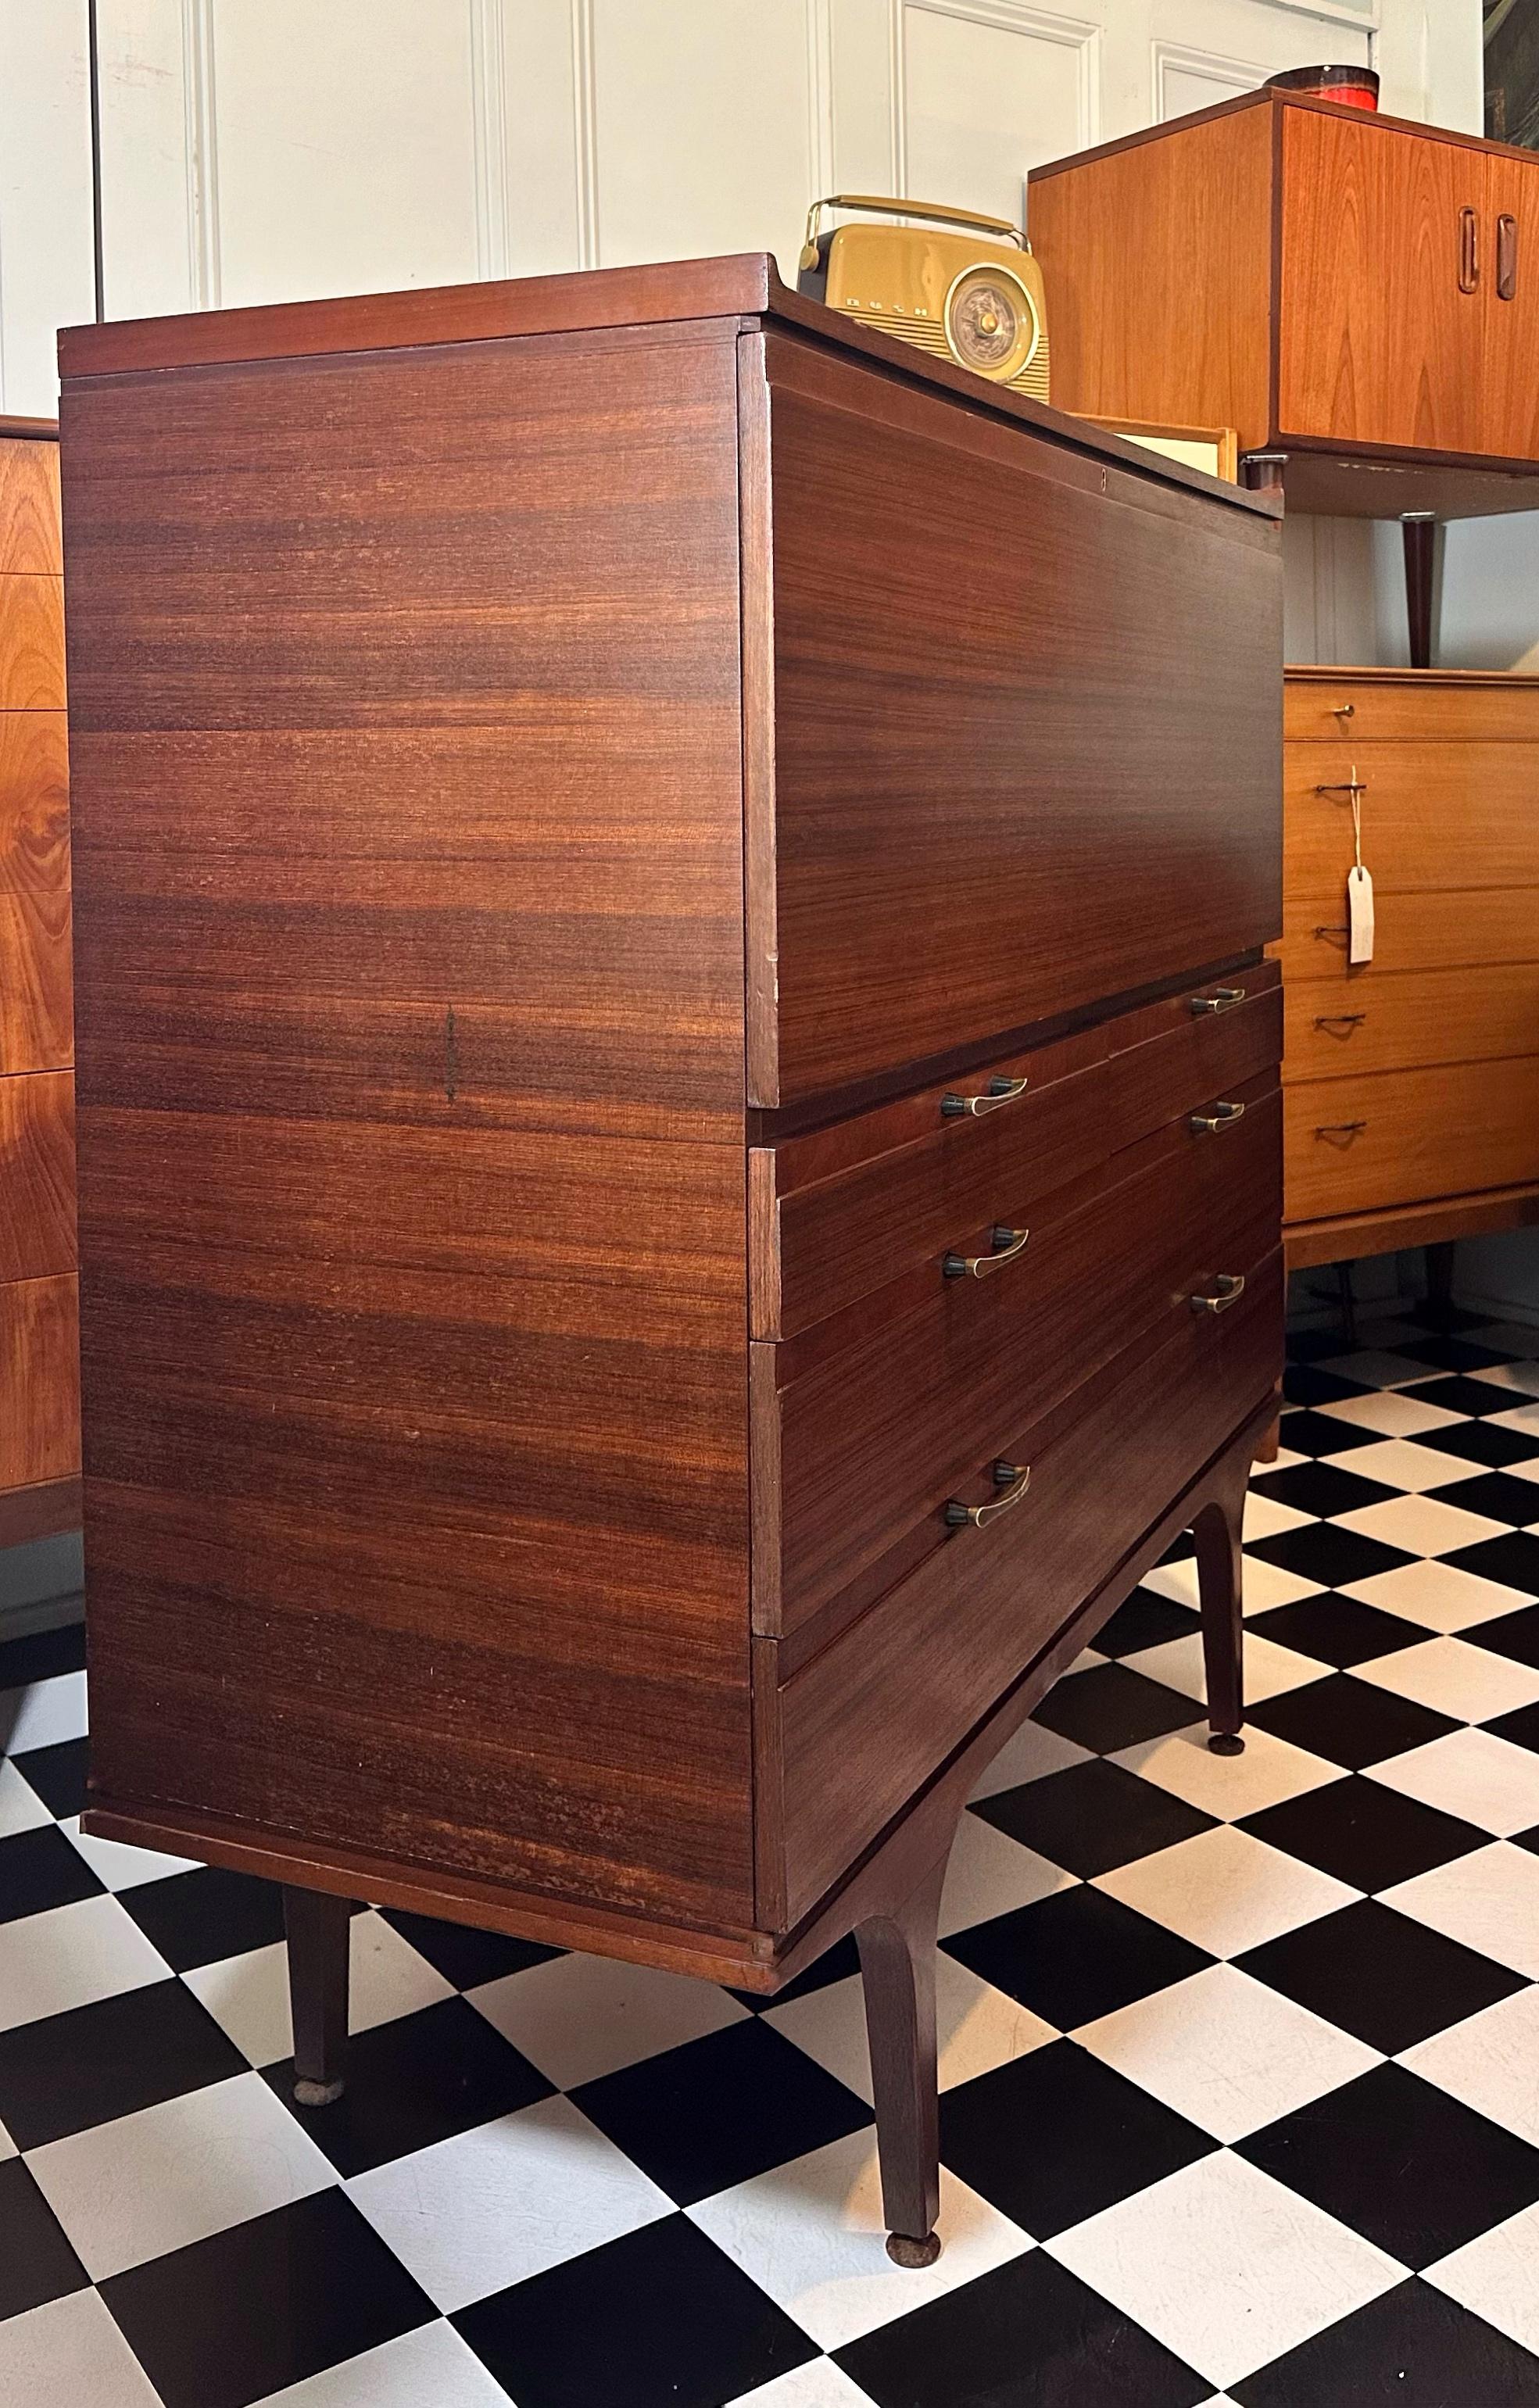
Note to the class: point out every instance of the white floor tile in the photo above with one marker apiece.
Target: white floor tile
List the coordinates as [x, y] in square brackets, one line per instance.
[810, 2234]
[989, 1874]
[977, 2027]
[70, 1956]
[43, 1714]
[1377, 1368]
[1491, 2062]
[1225, 1891]
[819, 2384]
[1225, 2266]
[1265, 1584]
[1393, 1416]
[173, 2173]
[71, 2354]
[1524, 1377]
[1488, 1901]
[1265, 1518]
[1440, 1596]
[577, 2017]
[1496, 2277]
[1285, 1459]
[1523, 1418]
[1227, 2052]
[1454, 1678]
[1423, 1525]
[430, 2368]
[117, 1864]
[1230, 1786]
[8, 2146]
[248, 1995]
[1032, 1754]
[1403, 1463]
[1487, 1780]
[1271, 1671]
[20, 1808]
[506, 2200]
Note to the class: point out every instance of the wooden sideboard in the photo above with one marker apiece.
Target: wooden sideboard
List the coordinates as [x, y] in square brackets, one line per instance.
[39, 1379]
[1412, 1081]
[1359, 296]
[680, 1138]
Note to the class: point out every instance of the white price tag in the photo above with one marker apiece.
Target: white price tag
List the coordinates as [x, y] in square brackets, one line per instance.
[1359, 915]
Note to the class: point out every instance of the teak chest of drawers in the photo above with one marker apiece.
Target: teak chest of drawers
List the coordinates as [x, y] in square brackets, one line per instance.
[680, 1129]
[39, 1375]
[1412, 1081]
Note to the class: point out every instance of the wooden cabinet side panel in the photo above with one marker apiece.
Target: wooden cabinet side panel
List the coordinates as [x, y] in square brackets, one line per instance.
[1158, 264]
[409, 807]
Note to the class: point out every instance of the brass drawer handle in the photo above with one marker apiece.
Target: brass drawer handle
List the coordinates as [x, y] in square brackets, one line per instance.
[1224, 1000]
[1013, 1478]
[1340, 1019]
[1340, 1129]
[999, 1091]
[1231, 1286]
[1007, 1244]
[1221, 1117]
[1347, 786]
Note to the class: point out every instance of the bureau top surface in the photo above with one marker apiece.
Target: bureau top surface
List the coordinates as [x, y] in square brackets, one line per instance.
[743, 286]
[1343, 673]
[1267, 96]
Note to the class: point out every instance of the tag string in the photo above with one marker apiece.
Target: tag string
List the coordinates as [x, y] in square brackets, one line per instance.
[1356, 819]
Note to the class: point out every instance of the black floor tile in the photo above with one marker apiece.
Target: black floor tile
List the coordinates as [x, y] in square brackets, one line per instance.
[1092, 1817]
[1365, 1834]
[719, 2110]
[1446, 1353]
[1304, 1383]
[1459, 1394]
[661, 2318]
[415, 2081]
[1310, 1345]
[92, 2064]
[262, 2305]
[42, 1656]
[1382, 1977]
[1521, 1728]
[1325, 1553]
[1500, 1495]
[1412, 2348]
[1182, 1546]
[1430, 1314]
[1336, 1629]
[199, 1917]
[1027, 2335]
[462, 1956]
[1485, 1442]
[1145, 1619]
[1077, 1955]
[1055, 2136]
[38, 1870]
[1397, 2159]
[1349, 1722]
[1515, 1635]
[1321, 1488]
[57, 1774]
[1513, 1559]
[1324, 1434]
[1110, 1707]
[37, 2262]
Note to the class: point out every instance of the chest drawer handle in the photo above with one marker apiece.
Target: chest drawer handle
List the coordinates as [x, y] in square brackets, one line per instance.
[1007, 1244]
[1347, 786]
[1340, 1128]
[1223, 999]
[1221, 1117]
[1010, 1477]
[1340, 1019]
[998, 1091]
[1231, 1286]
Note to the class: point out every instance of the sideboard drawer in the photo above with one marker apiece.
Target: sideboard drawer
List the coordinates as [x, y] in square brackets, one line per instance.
[1371, 1019]
[1428, 931]
[1434, 816]
[872, 1716]
[865, 1428]
[1407, 1136]
[1409, 705]
[839, 1214]
[39, 1381]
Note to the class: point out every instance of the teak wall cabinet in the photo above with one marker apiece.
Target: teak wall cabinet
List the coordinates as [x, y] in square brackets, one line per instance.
[1358, 294]
[39, 1375]
[679, 1127]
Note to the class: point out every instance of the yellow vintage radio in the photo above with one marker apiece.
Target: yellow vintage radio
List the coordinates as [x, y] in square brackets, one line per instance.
[977, 302]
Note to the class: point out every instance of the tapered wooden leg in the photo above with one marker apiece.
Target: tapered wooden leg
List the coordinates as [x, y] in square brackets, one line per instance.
[1217, 1533]
[1348, 1306]
[1268, 1445]
[1439, 1261]
[317, 1929]
[897, 1969]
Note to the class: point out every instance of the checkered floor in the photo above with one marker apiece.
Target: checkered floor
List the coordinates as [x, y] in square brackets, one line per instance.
[1241, 2056]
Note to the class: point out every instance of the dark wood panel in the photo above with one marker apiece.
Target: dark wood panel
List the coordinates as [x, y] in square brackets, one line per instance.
[869, 1719]
[29, 508]
[38, 1175]
[40, 1382]
[967, 851]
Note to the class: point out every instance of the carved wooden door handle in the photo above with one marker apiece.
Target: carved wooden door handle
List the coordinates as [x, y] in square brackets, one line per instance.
[1469, 251]
[1506, 256]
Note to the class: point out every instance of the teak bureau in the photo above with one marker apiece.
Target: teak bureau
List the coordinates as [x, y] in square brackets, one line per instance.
[679, 1113]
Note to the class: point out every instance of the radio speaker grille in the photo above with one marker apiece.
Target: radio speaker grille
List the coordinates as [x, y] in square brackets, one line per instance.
[927, 336]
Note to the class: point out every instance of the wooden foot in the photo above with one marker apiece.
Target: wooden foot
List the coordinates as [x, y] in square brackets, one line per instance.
[1269, 1444]
[1216, 1533]
[898, 1969]
[317, 1929]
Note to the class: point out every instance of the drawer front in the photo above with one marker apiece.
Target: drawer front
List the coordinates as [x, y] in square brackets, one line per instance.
[1435, 816]
[32, 643]
[1447, 930]
[841, 1213]
[1409, 1135]
[872, 1717]
[38, 1175]
[29, 508]
[871, 1428]
[1495, 710]
[39, 1381]
[1371, 1019]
